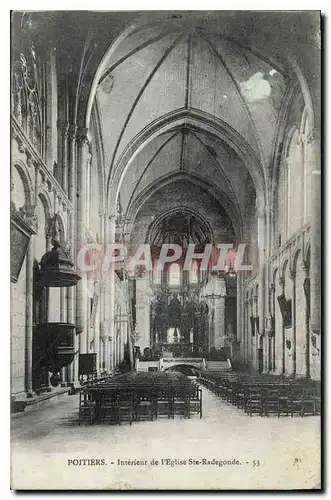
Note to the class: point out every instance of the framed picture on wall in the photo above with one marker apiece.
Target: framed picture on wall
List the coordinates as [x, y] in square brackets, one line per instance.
[20, 234]
[286, 310]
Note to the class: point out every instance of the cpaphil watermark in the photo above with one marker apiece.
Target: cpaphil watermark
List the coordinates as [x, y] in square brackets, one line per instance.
[221, 258]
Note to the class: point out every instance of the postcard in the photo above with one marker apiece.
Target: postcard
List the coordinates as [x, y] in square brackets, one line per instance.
[165, 250]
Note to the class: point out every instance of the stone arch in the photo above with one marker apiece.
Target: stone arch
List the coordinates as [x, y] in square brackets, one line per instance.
[274, 275]
[231, 208]
[282, 146]
[304, 87]
[306, 254]
[283, 267]
[294, 257]
[196, 120]
[185, 210]
[45, 199]
[100, 152]
[23, 172]
[62, 227]
[43, 214]
[85, 108]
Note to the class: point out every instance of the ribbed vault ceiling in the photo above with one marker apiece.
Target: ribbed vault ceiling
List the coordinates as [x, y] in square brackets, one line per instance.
[192, 152]
[164, 67]
[154, 72]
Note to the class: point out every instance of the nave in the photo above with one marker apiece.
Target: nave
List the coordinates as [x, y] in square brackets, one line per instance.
[165, 212]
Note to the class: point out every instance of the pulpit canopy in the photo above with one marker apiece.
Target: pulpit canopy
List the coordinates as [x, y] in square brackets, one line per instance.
[57, 269]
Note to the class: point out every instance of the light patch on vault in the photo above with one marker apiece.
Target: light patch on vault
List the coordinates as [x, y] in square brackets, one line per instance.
[257, 87]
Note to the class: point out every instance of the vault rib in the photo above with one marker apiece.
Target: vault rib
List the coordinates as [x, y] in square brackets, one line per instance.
[158, 151]
[136, 101]
[133, 52]
[218, 166]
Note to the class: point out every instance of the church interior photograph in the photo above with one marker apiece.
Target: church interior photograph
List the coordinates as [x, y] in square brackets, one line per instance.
[186, 143]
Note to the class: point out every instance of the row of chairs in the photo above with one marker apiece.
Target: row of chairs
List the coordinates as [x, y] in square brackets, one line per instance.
[265, 397]
[127, 407]
[136, 396]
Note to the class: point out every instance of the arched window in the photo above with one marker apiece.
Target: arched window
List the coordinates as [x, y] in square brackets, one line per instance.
[18, 194]
[174, 274]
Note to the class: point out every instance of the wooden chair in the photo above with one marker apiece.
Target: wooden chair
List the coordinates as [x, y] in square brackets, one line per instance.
[196, 404]
[108, 411]
[123, 407]
[164, 404]
[271, 401]
[144, 408]
[255, 402]
[304, 402]
[87, 407]
[284, 400]
[241, 397]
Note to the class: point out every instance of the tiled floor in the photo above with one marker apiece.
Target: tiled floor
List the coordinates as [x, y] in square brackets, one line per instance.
[271, 453]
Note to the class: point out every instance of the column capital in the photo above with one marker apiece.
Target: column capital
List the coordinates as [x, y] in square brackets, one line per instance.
[287, 162]
[281, 282]
[272, 287]
[305, 267]
[218, 301]
[260, 212]
[314, 135]
[82, 136]
[109, 215]
[72, 131]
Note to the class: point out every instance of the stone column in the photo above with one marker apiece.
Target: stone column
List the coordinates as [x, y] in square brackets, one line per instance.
[215, 292]
[272, 361]
[48, 248]
[268, 292]
[246, 332]
[282, 284]
[250, 338]
[81, 288]
[102, 333]
[62, 319]
[261, 279]
[72, 134]
[143, 312]
[256, 336]
[313, 152]
[72, 190]
[70, 319]
[29, 321]
[294, 336]
[240, 311]
[63, 128]
[219, 322]
[110, 340]
[307, 329]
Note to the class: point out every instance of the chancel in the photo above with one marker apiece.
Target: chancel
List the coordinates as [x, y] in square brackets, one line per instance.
[158, 132]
